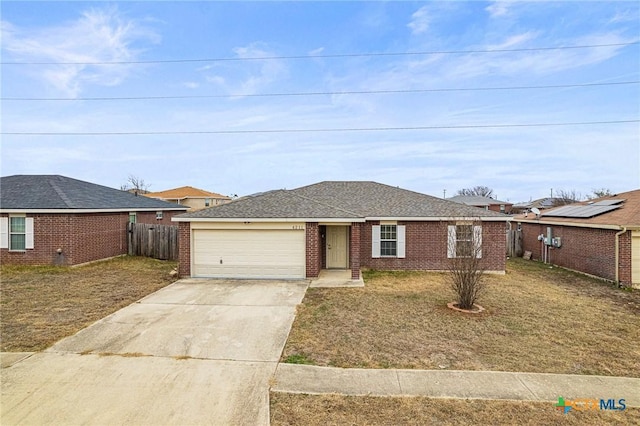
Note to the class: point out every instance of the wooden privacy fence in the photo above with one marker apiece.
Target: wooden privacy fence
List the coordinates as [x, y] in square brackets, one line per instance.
[514, 243]
[156, 241]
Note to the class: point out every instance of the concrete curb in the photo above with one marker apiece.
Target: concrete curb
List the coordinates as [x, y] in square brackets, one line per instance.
[295, 378]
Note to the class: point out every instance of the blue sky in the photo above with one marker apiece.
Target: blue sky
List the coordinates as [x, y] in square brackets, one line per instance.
[58, 43]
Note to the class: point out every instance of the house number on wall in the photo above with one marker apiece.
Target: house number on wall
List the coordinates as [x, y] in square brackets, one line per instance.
[299, 227]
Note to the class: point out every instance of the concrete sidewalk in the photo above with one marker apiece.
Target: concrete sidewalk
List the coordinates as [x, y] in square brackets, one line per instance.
[295, 378]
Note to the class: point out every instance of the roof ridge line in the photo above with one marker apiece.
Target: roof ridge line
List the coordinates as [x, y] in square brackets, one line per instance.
[60, 193]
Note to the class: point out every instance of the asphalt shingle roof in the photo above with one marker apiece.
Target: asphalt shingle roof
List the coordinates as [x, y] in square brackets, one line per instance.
[627, 215]
[341, 199]
[472, 200]
[48, 192]
[184, 192]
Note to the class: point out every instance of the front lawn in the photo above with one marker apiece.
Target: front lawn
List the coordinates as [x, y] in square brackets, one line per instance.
[537, 319]
[296, 409]
[41, 305]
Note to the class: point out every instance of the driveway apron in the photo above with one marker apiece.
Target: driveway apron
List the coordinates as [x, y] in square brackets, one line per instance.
[195, 352]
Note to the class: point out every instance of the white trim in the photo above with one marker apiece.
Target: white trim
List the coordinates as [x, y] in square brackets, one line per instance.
[477, 240]
[266, 219]
[28, 233]
[4, 232]
[338, 220]
[451, 241]
[400, 241]
[575, 224]
[443, 218]
[375, 241]
[75, 211]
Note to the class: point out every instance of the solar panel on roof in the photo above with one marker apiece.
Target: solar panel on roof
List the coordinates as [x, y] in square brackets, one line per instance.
[581, 212]
[607, 202]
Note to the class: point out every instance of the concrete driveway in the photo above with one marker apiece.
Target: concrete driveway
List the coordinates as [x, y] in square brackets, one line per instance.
[195, 352]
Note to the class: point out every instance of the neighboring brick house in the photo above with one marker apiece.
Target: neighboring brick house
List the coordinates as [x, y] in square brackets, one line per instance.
[52, 219]
[599, 237]
[486, 203]
[193, 198]
[335, 225]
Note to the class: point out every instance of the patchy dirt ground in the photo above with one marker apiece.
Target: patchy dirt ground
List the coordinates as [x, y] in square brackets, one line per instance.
[537, 319]
[41, 305]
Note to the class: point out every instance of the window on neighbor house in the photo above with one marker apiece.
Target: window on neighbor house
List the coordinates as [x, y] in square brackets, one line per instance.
[207, 202]
[159, 215]
[502, 208]
[17, 233]
[132, 217]
[388, 240]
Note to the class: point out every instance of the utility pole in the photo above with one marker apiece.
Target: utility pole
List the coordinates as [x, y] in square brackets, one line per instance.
[444, 194]
[551, 192]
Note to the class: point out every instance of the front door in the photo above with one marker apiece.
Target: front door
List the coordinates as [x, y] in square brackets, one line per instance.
[337, 247]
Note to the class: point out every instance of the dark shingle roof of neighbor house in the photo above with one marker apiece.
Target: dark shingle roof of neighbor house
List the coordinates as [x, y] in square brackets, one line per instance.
[55, 192]
[343, 199]
[477, 200]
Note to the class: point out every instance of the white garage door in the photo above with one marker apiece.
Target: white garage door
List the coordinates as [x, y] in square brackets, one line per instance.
[635, 259]
[273, 253]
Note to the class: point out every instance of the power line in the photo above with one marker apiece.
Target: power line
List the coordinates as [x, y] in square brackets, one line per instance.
[349, 92]
[354, 129]
[328, 56]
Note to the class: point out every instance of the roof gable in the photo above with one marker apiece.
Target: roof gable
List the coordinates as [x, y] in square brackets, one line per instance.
[55, 192]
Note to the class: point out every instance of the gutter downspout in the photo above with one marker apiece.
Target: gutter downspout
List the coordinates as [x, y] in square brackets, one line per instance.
[617, 250]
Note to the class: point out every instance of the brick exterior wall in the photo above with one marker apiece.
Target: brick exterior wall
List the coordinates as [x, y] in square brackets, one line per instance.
[355, 249]
[426, 247]
[184, 251]
[82, 237]
[588, 250]
[313, 250]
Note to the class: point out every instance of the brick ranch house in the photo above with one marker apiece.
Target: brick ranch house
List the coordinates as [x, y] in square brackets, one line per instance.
[294, 234]
[600, 237]
[52, 219]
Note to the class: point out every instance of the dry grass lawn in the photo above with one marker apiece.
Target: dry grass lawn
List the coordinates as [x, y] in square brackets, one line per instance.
[295, 409]
[537, 319]
[41, 305]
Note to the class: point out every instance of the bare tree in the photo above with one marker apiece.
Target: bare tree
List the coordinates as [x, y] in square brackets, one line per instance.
[599, 193]
[465, 263]
[563, 197]
[480, 191]
[136, 185]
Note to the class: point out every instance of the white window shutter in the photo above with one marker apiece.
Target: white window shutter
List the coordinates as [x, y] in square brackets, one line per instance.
[28, 222]
[477, 240]
[4, 232]
[451, 242]
[400, 229]
[375, 241]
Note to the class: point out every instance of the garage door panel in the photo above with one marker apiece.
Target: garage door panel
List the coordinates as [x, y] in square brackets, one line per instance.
[249, 254]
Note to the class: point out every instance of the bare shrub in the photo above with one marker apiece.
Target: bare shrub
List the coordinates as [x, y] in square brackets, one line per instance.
[465, 263]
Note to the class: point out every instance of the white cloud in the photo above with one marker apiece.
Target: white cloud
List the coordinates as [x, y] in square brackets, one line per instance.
[248, 77]
[99, 35]
[514, 40]
[498, 9]
[420, 21]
